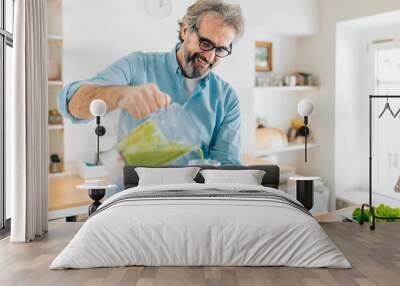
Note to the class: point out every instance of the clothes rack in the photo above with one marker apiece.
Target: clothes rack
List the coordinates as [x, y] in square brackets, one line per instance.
[369, 205]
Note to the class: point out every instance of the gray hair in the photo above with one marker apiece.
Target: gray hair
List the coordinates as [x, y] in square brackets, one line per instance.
[230, 13]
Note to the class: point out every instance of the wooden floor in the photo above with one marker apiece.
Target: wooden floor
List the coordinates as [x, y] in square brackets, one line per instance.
[375, 257]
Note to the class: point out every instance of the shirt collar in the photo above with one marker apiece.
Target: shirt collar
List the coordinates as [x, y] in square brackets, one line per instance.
[175, 68]
[173, 61]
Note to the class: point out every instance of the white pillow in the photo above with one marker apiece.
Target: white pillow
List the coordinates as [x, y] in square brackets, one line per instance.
[248, 177]
[165, 176]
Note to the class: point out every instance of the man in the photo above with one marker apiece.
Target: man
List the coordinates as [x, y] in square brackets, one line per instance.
[142, 83]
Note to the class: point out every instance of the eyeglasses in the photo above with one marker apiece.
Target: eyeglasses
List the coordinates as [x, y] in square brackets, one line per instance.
[206, 45]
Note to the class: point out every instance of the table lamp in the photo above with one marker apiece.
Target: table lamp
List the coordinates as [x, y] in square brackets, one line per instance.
[305, 108]
[98, 108]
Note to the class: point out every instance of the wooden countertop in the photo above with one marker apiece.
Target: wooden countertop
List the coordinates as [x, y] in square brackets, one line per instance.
[63, 193]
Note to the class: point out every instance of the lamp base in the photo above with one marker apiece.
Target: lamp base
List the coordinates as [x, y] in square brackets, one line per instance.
[305, 193]
[96, 195]
[100, 130]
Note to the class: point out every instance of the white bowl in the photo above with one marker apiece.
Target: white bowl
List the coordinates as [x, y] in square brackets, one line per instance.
[204, 162]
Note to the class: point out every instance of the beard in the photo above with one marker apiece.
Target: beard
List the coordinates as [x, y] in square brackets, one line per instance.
[192, 70]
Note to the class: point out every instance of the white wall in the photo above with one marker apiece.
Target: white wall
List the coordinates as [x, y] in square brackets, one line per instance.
[348, 102]
[319, 56]
[98, 32]
[284, 17]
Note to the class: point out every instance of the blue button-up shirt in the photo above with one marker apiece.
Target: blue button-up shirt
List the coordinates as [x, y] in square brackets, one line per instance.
[213, 106]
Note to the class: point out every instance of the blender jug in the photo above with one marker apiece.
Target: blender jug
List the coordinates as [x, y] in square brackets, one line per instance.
[165, 137]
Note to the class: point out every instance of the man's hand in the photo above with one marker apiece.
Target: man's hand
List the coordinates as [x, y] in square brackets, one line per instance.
[142, 100]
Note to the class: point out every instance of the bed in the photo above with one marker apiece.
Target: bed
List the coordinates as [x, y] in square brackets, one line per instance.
[198, 224]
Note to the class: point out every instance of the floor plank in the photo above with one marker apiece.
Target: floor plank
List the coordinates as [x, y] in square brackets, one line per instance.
[375, 257]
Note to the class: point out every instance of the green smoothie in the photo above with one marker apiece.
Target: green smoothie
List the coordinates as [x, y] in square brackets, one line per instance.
[146, 145]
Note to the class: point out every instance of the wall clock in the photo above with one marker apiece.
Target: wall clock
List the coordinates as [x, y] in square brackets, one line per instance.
[158, 8]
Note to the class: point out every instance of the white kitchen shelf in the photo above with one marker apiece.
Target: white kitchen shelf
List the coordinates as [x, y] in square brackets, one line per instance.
[289, 148]
[57, 39]
[286, 88]
[56, 126]
[55, 82]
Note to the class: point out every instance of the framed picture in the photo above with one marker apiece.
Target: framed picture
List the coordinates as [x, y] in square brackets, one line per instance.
[263, 56]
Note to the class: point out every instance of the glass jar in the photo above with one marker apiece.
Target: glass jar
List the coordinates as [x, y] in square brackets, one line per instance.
[55, 117]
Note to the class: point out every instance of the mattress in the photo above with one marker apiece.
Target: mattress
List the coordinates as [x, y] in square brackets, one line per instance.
[201, 225]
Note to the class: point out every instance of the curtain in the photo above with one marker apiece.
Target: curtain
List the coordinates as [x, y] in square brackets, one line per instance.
[28, 123]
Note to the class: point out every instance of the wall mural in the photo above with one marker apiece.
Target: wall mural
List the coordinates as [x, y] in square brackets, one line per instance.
[173, 109]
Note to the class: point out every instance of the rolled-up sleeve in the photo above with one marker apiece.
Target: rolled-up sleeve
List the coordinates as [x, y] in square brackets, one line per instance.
[118, 73]
[226, 145]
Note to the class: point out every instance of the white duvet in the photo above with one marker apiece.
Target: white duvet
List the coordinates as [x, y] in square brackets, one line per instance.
[200, 231]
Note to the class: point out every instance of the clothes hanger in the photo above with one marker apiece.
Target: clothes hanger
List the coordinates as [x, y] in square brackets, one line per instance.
[397, 113]
[387, 107]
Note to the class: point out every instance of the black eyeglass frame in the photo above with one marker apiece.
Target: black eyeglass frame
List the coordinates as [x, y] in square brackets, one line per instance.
[213, 46]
